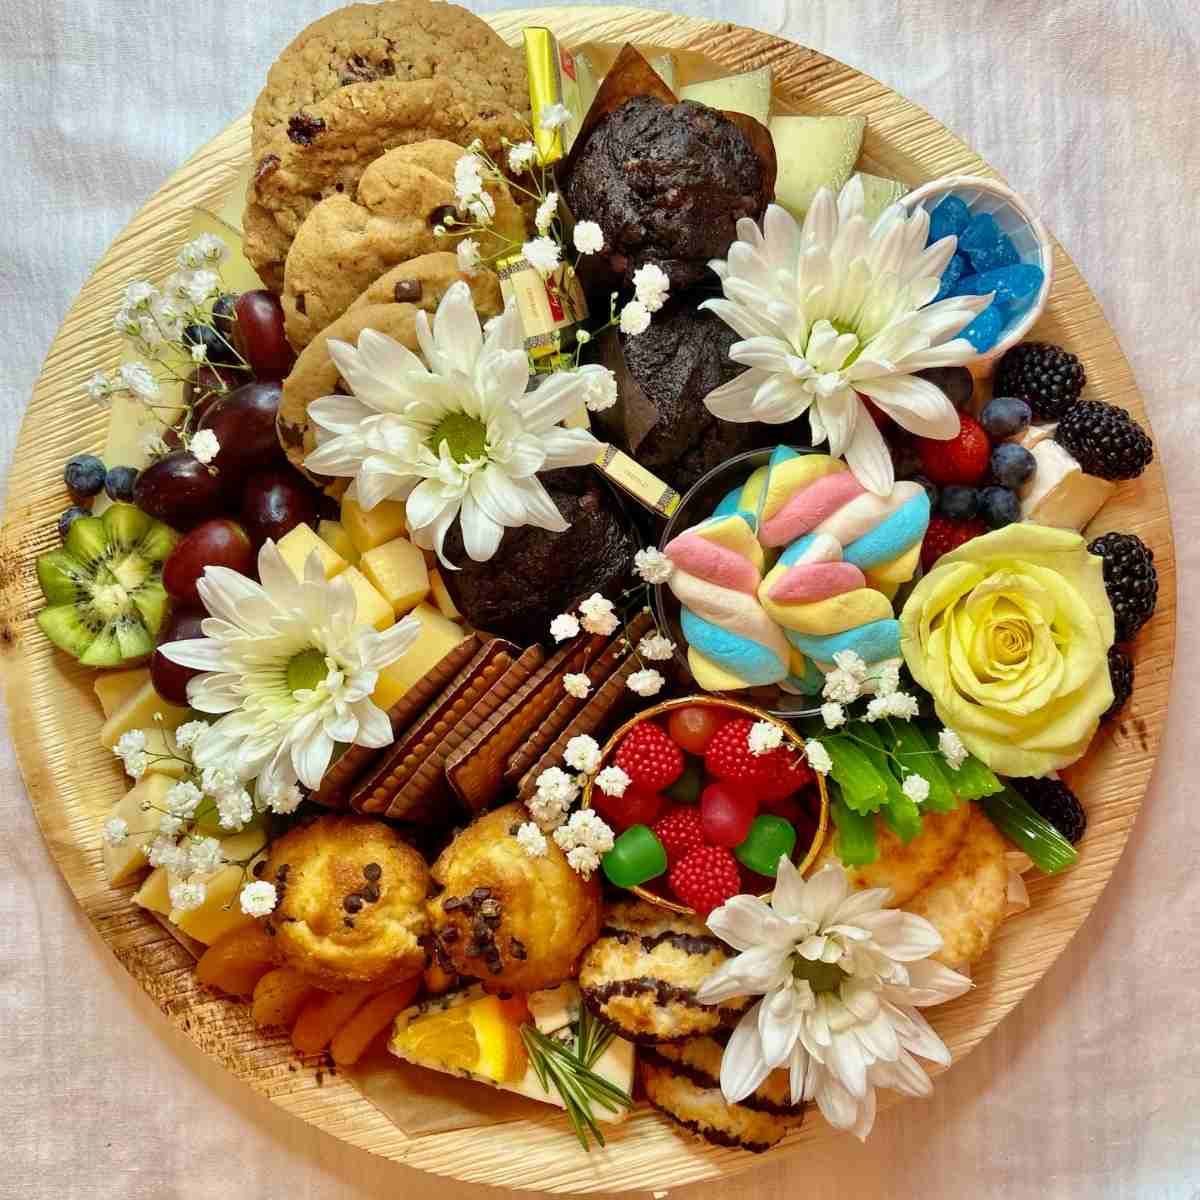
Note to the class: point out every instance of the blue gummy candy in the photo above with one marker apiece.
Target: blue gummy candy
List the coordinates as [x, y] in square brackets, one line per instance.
[956, 268]
[1018, 308]
[984, 332]
[1000, 254]
[1012, 285]
[949, 216]
[982, 233]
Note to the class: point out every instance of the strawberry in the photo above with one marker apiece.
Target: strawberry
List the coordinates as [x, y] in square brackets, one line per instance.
[777, 773]
[944, 535]
[679, 831]
[649, 757]
[638, 806]
[963, 459]
[705, 878]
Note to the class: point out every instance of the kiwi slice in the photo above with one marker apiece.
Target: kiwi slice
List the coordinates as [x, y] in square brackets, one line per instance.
[104, 592]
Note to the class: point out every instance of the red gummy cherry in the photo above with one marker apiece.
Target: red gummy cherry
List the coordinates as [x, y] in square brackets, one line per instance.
[638, 806]
[692, 728]
[726, 813]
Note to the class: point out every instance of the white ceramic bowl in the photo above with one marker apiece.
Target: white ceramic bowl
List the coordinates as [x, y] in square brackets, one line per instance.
[1018, 221]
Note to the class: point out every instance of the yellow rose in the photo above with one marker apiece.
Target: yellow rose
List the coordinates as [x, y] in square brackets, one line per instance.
[1010, 634]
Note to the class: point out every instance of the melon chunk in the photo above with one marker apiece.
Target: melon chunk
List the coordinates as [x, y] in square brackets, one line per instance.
[749, 93]
[138, 713]
[814, 152]
[879, 193]
[436, 639]
[398, 571]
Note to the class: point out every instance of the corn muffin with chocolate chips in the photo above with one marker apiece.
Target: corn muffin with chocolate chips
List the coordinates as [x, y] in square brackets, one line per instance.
[351, 902]
[642, 973]
[517, 922]
[684, 1081]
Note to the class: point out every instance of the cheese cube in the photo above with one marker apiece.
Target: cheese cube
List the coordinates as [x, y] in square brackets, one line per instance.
[398, 571]
[441, 597]
[373, 609]
[370, 529]
[123, 862]
[334, 535]
[138, 713]
[113, 688]
[154, 894]
[162, 755]
[299, 542]
[221, 912]
[437, 638]
[237, 275]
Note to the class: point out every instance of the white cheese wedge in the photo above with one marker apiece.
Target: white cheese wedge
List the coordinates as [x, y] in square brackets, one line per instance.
[748, 93]
[1034, 434]
[1060, 494]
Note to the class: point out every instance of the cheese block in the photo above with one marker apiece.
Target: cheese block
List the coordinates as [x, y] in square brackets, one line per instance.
[155, 893]
[231, 208]
[441, 597]
[221, 911]
[237, 275]
[138, 711]
[334, 535]
[398, 571]
[749, 93]
[370, 529]
[1060, 494]
[299, 542]
[373, 609]
[162, 755]
[438, 636]
[113, 688]
[122, 863]
[814, 152]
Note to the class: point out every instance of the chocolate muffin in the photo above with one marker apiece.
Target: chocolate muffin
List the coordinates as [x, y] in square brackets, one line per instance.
[667, 183]
[666, 372]
[535, 574]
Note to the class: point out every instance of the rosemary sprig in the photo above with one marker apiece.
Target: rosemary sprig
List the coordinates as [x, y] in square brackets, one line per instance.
[566, 1065]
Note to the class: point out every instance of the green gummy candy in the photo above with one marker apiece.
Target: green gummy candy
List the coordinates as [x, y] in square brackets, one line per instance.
[637, 857]
[686, 789]
[770, 839]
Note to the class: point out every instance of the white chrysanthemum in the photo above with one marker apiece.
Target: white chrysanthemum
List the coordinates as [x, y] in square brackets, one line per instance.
[598, 615]
[137, 378]
[833, 715]
[841, 978]
[839, 309]
[589, 237]
[916, 788]
[290, 669]
[99, 388]
[116, 830]
[259, 898]
[546, 212]
[455, 436]
[188, 732]
[599, 387]
[613, 781]
[521, 157]
[764, 736]
[468, 255]
[207, 250]
[532, 840]
[554, 116]
[186, 894]
[841, 687]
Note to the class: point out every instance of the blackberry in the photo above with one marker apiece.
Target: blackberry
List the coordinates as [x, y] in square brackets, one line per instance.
[1120, 671]
[1106, 440]
[1048, 377]
[1053, 800]
[1130, 579]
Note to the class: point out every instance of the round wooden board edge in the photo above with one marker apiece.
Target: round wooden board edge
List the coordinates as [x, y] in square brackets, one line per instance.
[663, 1159]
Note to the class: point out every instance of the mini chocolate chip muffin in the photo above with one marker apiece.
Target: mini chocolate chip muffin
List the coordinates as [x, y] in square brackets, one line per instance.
[684, 1081]
[518, 923]
[351, 902]
[642, 973]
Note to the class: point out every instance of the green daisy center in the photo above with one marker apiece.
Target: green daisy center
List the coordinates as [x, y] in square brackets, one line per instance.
[821, 976]
[465, 437]
[306, 670]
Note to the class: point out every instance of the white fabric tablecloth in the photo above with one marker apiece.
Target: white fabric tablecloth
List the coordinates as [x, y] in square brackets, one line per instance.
[1092, 1088]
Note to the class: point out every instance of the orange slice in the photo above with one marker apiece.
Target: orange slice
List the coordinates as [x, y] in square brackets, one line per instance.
[480, 1037]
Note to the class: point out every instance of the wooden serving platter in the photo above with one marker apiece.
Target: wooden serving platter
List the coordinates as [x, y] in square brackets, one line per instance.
[72, 781]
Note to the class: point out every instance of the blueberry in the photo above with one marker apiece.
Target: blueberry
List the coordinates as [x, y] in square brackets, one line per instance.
[999, 506]
[959, 503]
[69, 517]
[217, 349]
[956, 382]
[1012, 465]
[1005, 417]
[119, 481]
[930, 488]
[84, 475]
[223, 315]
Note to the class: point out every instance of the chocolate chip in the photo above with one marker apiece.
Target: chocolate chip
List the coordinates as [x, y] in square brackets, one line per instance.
[353, 903]
[258, 868]
[348, 922]
[480, 894]
[372, 871]
[302, 128]
[444, 214]
[407, 291]
[451, 903]
[449, 935]
[490, 908]
[301, 304]
[267, 166]
[517, 949]
[492, 921]
[370, 893]
[514, 829]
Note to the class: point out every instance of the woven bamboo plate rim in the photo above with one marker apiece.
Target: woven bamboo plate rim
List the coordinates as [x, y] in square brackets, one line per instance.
[71, 781]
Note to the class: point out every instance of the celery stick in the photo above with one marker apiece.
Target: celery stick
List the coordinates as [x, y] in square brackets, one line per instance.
[855, 834]
[973, 781]
[915, 752]
[1012, 814]
[903, 817]
[900, 812]
[864, 789]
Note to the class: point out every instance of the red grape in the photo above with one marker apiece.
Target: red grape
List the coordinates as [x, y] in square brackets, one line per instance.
[273, 502]
[259, 334]
[726, 813]
[691, 728]
[205, 385]
[178, 489]
[638, 806]
[217, 543]
[170, 679]
[244, 424]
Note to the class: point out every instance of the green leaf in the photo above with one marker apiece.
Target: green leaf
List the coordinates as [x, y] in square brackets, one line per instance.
[856, 834]
[1012, 814]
